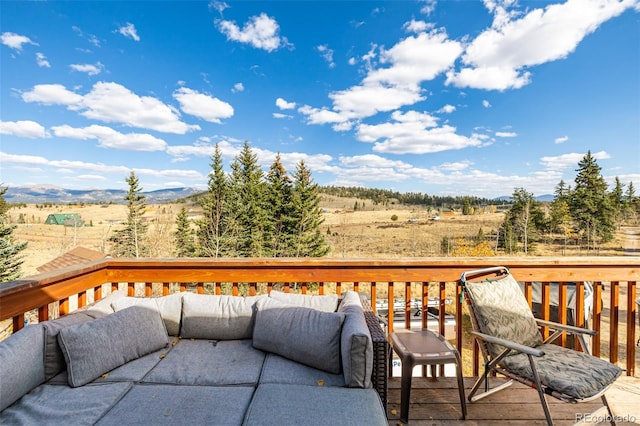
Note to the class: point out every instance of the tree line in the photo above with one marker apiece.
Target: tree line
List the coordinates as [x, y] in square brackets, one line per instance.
[588, 212]
[246, 213]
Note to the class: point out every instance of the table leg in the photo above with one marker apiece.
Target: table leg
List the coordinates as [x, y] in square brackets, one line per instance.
[405, 390]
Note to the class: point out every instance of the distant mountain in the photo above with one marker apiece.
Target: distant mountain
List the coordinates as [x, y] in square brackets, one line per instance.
[541, 198]
[37, 194]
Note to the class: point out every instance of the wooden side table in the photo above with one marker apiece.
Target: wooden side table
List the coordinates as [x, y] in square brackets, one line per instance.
[424, 347]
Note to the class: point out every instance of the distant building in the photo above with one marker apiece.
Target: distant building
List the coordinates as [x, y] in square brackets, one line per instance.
[74, 257]
[66, 219]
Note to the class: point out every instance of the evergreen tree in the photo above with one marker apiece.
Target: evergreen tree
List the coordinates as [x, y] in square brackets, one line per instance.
[591, 208]
[216, 230]
[247, 207]
[280, 227]
[129, 241]
[10, 258]
[522, 222]
[309, 241]
[185, 245]
[617, 199]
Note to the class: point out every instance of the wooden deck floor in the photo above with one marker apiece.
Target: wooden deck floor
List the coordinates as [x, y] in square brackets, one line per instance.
[435, 403]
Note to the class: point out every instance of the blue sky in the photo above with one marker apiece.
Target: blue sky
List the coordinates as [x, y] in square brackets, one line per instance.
[448, 97]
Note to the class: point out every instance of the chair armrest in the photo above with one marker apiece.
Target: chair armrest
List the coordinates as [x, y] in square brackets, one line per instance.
[565, 327]
[509, 344]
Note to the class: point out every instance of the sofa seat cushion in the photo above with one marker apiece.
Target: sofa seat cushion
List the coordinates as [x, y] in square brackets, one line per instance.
[61, 405]
[21, 366]
[325, 303]
[278, 404]
[304, 335]
[93, 348]
[209, 362]
[214, 317]
[175, 405]
[170, 308]
[278, 369]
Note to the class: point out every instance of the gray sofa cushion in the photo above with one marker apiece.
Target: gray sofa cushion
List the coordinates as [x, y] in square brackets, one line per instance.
[96, 347]
[356, 345]
[53, 358]
[21, 366]
[209, 363]
[305, 335]
[278, 369]
[103, 306]
[62, 405]
[325, 303]
[217, 317]
[170, 308]
[177, 405]
[276, 404]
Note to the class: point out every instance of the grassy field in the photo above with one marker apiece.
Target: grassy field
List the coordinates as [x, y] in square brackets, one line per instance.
[370, 231]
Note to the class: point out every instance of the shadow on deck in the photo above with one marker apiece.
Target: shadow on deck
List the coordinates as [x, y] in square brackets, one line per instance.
[435, 403]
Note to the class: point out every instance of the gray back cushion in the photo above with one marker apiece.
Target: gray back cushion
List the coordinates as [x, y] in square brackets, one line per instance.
[325, 303]
[53, 357]
[305, 335]
[356, 343]
[170, 308]
[217, 317]
[21, 366]
[96, 347]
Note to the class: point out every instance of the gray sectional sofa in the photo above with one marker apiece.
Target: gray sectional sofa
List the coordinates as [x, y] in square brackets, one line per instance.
[195, 359]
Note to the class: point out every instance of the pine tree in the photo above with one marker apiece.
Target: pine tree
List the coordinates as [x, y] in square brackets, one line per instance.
[278, 241]
[591, 208]
[10, 258]
[129, 241]
[216, 230]
[522, 222]
[617, 199]
[185, 245]
[247, 203]
[309, 241]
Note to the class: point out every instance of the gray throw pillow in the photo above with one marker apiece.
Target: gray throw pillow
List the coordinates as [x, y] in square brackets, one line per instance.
[305, 335]
[53, 357]
[213, 317]
[93, 348]
[170, 308]
[325, 303]
[356, 345]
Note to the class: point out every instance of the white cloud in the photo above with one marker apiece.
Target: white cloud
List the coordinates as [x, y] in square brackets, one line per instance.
[569, 161]
[129, 31]
[109, 138]
[327, 54]
[220, 6]
[447, 109]
[506, 134]
[414, 26]
[88, 68]
[15, 41]
[113, 103]
[486, 103]
[561, 139]
[24, 129]
[238, 87]
[352, 61]
[411, 61]
[262, 32]
[280, 115]
[42, 61]
[90, 177]
[499, 57]
[414, 133]
[282, 104]
[203, 106]
[428, 7]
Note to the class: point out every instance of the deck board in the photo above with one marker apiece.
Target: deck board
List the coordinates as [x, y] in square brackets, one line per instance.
[436, 403]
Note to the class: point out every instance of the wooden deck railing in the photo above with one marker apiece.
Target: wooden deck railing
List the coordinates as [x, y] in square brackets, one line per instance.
[390, 280]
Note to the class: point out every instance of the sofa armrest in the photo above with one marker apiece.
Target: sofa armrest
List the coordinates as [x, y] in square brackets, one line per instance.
[380, 350]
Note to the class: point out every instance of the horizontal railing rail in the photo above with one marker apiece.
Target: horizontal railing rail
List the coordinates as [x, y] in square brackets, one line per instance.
[612, 278]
